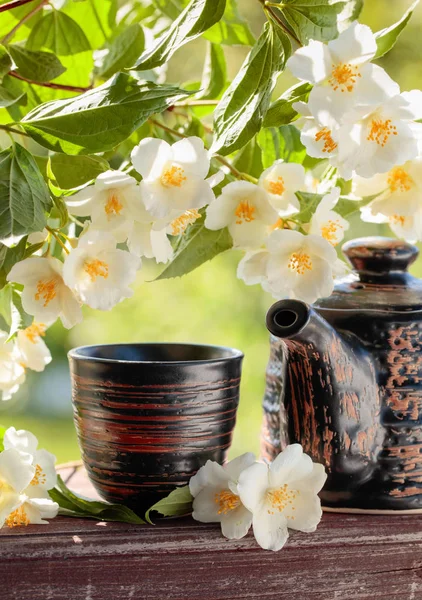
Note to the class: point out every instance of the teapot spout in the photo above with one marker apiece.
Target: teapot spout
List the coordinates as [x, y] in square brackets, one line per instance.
[329, 392]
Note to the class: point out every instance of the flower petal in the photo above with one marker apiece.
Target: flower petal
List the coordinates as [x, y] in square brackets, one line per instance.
[150, 156]
[21, 440]
[253, 485]
[16, 469]
[235, 467]
[270, 530]
[192, 156]
[355, 45]
[311, 63]
[236, 523]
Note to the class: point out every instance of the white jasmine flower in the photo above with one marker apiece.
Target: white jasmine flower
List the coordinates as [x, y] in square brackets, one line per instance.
[16, 473]
[173, 175]
[98, 273]
[179, 225]
[12, 373]
[113, 203]
[45, 294]
[343, 67]
[145, 240]
[326, 222]
[33, 351]
[245, 209]
[292, 265]
[216, 498]
[282, 495]
[320, 127]
[281, 181]
[399, 199]
[45, 477]
[375, 141]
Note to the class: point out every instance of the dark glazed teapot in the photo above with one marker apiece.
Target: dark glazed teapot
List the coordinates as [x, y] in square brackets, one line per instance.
[345, 380]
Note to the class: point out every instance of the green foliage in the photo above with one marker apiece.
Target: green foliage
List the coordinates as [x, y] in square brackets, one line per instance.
[387, 38]
[101, 118]
[232, 29]
[196, 246]
[60, 33]
[24, 197]
[281, 112]
[72, 505]
[281, 143]
[2, 432]
[12, 312]
[123, 51]
[9, 257]
[74, 171]
[5, 61]
[242, 109]
[214, 74]
[197, 17]
[36, 66]
[345, 207]
[177, 503]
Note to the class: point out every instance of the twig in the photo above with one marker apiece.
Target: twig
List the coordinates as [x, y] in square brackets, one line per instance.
[269, 11]
[220, 159]
[12, 130]
[24, 19]
[197, 103]
[49, 84]
[13, 4]
[57, 238]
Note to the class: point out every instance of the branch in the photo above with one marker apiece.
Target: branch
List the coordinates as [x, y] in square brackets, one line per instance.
[24, 19]
[12, 130]
[197, 103]
[53, 86]
[13, 4]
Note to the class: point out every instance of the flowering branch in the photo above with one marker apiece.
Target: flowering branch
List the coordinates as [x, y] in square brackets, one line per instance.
[53, 86]
[14, 4]
[24, 19]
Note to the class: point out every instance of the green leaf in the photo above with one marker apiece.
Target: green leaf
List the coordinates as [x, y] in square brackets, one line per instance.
[197, 17]
[8, 98]
[9, 257]
[249, 159]
[24, 196]
[60, 33]
[197, 245]
[345, 207]
[95, 17]
[2, 432]
[76, 506]
[241, 111]
[281, 112]
[386, 38]
[5, 61]
[123, 51]
[231, 29]
[178, 502]
[100, 119]
[36, 66]
[281, 143]
[12, 311]
[214, 73]
[73, 171]
[314, 19]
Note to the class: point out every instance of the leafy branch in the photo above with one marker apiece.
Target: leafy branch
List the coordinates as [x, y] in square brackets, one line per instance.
[24, 19]
[51, 85]
[13, 4]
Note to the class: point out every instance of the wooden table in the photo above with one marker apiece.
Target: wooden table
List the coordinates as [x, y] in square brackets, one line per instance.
[349, 557]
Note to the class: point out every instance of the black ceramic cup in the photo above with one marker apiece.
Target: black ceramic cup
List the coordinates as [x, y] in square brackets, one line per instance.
[148, 416]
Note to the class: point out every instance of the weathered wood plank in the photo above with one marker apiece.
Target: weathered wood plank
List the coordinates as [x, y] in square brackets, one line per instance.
[349, 557]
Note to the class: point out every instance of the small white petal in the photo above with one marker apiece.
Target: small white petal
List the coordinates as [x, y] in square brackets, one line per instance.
[21, 440]
[150, 156]
[311, 63]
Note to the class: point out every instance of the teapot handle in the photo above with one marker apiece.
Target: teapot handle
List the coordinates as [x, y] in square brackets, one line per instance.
[378, 256]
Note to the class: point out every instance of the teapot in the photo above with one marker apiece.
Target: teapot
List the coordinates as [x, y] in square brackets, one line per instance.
[344, 380]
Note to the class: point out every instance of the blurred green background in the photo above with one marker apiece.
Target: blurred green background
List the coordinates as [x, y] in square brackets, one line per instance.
[209, 305]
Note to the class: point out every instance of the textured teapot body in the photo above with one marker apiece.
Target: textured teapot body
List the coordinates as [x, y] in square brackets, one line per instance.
[345, 381]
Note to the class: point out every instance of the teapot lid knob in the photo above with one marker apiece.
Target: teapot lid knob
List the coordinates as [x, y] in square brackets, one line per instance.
[372, 256]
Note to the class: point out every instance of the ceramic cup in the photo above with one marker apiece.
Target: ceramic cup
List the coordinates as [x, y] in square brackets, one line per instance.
[148, 416]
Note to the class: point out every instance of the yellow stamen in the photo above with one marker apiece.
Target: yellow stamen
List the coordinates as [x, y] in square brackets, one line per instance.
[398, 220]
[179, 225]
[113, 206]
[276, 186]
[381, 131]
[39, 477]
[300, 262]
[325, 135]
[96, 268]
[173, 177]
[226, 501]
[244, 213]
[344, 77]
[35, 331]
[17, 518]
[329, 231]
[281, 498]
[47, 290]
[279, 224]
[399, 179]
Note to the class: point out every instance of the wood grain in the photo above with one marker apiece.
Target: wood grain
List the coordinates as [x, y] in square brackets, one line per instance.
[349, 557]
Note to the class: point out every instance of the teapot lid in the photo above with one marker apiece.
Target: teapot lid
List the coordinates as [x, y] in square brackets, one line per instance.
[380, 280]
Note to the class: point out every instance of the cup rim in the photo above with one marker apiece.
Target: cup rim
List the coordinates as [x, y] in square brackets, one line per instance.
[75, 353]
